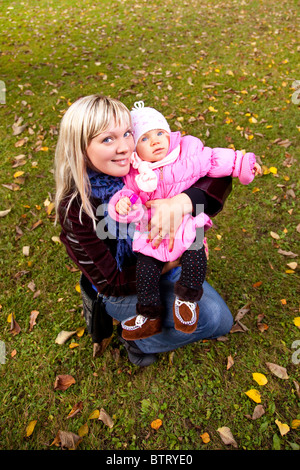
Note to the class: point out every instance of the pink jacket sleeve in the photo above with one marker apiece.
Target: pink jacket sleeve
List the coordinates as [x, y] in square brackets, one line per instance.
[226, 162]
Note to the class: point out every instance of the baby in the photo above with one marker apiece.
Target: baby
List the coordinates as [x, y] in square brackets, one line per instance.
[163, 165]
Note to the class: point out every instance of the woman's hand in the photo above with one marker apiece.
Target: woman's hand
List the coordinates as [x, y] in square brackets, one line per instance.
[170, 265]
[166, 218]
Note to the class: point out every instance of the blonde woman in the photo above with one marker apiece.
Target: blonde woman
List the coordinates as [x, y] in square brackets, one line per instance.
[92, 157]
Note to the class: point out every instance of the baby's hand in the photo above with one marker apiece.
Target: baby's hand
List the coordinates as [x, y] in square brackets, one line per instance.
[257, 169]
[123, 206]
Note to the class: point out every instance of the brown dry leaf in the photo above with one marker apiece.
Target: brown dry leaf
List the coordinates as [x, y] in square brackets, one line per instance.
[226, 436]
[242, 311]
[103, 416]
[230, 362]
[62, 382]
[33, 317]
[257, 412]
[76, 409]
[63, 336]
[287, 253]
[15, 328]
[277, 370]
[67, 440]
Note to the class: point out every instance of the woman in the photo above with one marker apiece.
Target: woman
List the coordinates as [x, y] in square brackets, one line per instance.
[93, 154]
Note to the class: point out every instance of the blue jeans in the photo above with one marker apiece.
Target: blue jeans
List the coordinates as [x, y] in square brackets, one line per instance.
[215, 318]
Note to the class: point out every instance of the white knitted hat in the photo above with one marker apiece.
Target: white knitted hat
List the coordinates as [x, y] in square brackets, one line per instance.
[145, 119]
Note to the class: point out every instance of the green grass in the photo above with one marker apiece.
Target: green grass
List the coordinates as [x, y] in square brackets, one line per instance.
[241, 60]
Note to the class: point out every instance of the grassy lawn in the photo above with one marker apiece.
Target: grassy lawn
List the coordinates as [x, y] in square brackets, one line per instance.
[222, 71]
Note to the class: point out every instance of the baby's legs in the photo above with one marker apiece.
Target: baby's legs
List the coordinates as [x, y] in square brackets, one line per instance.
[148, 272]
[148, 319]
[193, 271]
[188, 289]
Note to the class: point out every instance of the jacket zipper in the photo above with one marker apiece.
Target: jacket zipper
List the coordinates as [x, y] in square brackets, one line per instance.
[161, 173]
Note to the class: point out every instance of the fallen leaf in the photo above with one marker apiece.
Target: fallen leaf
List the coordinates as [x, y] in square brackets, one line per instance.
[261, 379]
[4, 213]
[226, 436]
[254, 395]
[67, 440]
[287, 253]
[63, 336]
[292, 265]
[63, 382]
[156, 424]
[258, 412]
[33, 317]
[297, 321]
[103, 416]
[94, 415]
[277, 370]
[230, 362]
[83, 430]
[76, 409]
[25, 250]
[283, 428]
[275, 235]
[205, 437]
[295, 423]
[30, 427]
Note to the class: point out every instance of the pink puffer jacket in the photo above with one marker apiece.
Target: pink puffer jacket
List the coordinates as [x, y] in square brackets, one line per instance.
[187, 161]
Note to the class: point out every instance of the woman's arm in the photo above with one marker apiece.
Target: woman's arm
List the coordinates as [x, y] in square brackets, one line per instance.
[207, 195]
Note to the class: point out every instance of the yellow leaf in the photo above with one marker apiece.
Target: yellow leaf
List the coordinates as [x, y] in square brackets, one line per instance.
[80, 331]
[156, 424]
[83, 430]
[212, 109]
[283, 428]
[94, 415]
[283, 301]
[255, 190]
[261, 379]
[77, 287]
[254, 395]
[273, 170]
[297, 321]
[18, 173]
[30, 427]
[10, 317]
[73, 345]
[295, 423]
[253, 120]
[205, 437]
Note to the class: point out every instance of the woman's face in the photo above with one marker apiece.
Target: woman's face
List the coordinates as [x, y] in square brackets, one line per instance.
[110, 151]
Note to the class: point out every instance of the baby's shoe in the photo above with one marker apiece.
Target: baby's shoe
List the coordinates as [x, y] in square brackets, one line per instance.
[140, 327]
[186, 315]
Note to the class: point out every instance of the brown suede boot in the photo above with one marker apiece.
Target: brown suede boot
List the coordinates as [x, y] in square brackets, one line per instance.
[146, 323]
[140, 327]
[186, 315]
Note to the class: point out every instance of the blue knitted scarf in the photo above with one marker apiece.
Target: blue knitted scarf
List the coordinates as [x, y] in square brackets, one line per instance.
[104, 187]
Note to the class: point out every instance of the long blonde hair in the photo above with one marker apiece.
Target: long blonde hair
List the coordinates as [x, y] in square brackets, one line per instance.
[86, 118]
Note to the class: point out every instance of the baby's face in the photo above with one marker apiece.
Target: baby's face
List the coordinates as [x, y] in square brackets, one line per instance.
[153, 146]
